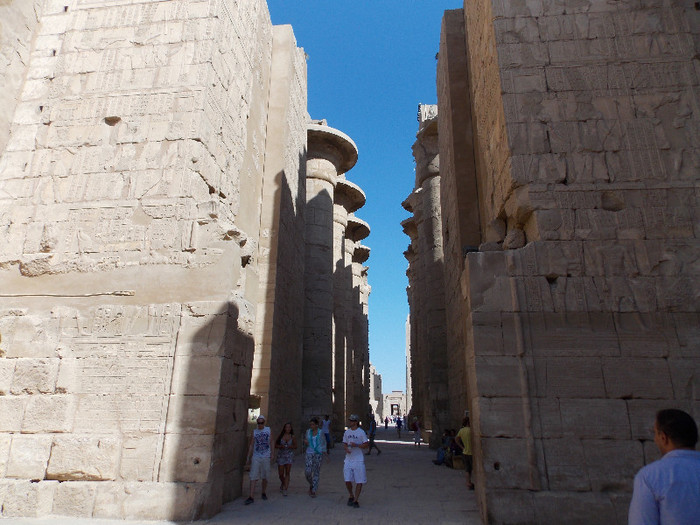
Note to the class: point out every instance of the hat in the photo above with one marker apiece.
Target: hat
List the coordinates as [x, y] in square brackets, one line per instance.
[354, 417]
[260, 417]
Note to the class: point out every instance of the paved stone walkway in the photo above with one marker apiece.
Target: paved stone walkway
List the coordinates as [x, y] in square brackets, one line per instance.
[403, 487]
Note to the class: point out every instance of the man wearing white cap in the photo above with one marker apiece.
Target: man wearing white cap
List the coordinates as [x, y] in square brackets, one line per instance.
[259, 448]
[355, 441]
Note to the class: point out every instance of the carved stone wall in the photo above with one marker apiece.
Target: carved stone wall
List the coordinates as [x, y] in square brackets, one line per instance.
[132, 182]
[582, 301]
[18, 21]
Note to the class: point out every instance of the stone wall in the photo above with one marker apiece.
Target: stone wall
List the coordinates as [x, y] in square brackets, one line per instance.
[18, 21]
[583, 298]
[131, 189]
[277, 364]
[461, 227]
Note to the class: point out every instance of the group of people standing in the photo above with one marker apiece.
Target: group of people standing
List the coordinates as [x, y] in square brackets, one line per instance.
[317, 442]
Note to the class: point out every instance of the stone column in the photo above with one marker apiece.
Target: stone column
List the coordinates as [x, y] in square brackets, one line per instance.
[416, 368]
[428, 216]
[358, 254]
[330, 154]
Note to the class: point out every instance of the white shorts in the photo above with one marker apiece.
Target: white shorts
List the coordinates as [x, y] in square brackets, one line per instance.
[259, 468]
[355, 471]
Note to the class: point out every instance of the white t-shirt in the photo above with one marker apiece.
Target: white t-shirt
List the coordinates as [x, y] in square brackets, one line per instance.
[358, 437]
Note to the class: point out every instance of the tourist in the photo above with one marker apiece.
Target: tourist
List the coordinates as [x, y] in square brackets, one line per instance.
[416, 432]
[398, 426]
[326, 428]
[386, 423]
[372, 434]
[259, 451]
[464, 440]
[444, 449]
[315, 448]
[354, 440]
[667, 491]
[285, 444]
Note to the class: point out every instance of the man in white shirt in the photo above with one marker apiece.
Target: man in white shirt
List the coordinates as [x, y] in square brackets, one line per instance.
[355, 441]
[259, 451]
[667, 491]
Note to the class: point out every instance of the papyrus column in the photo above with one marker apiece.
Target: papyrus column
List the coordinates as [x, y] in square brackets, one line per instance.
[348, 198]
[358, 230]
[330, 154]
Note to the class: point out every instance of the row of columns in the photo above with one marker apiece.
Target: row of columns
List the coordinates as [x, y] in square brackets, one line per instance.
[426, 295]
[335, 368]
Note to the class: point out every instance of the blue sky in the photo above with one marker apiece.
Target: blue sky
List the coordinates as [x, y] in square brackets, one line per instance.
[370, 64]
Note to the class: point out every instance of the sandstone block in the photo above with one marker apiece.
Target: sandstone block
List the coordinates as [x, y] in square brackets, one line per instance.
[186, 458]
[29, 455]
[488, 333]
[637, 378]
[503, 463]
[595, 418]
[147, 501]
[49, 414]
[201, 335]
[74, 498]
[532, 294]
[501, 417]
[196, 375]
[5, 440]
[575, 333]
[685, 377]
[139, 457]
[7, 370]
[574, 377]
[25, 498]
[580, 509]
[646, 334]
[566, 465]
[489, 294]
[12, 410]
[84, 458]
[510, 506]
[68, 379]
[192, 414]
[515, 30]
[33, 376]
[498, 376]
[611, 464]
[547, 415]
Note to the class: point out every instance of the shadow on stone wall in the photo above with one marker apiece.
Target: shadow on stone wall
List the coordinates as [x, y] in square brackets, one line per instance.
[205, 440]
[285, 319]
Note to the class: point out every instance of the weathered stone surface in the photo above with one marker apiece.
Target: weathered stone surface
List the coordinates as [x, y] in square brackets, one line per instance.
[186, 458]
[20, 498]
[74, 499]
[579, 293]
[5, 440]
[83, 458]
[49, 414]
[34, 376]
[152, 182]
[29, 455]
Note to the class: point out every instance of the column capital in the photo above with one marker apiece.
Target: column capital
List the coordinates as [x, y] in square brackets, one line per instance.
[332, 145]
[357, 229]
[349, 195]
